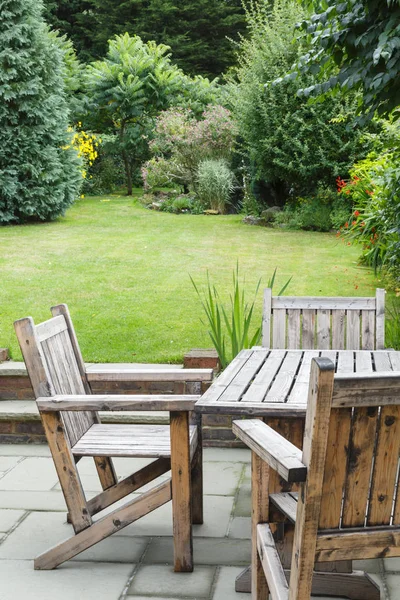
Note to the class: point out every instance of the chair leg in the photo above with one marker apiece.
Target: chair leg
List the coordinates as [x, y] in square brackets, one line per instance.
[181, 492]
[120, 518]
[197, 476]
[105, 471]
[66, 470]
[260, 510]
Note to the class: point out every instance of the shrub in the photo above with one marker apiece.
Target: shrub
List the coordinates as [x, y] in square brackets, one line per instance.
[39, 169]
[181, 142]
[291, 143]
[374, 190]
[313, 213]
[215, 184]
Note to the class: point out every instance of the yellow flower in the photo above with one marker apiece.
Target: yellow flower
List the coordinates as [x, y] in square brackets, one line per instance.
[82, 195]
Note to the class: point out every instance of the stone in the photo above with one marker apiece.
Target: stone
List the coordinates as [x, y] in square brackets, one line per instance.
[160, 580]
[268, 214]
[207, 551]
[252, 220]
[9, 517]
[88, 581]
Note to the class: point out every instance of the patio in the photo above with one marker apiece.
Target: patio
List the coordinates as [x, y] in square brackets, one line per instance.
[136, 562]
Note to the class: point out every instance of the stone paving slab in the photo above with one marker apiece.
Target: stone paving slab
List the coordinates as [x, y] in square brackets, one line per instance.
[74, 580]
[9, 517]
[161, 580]
[135, 563]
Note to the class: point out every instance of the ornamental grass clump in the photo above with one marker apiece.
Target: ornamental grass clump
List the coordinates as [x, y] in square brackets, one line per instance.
[215, 184]
[231, 328]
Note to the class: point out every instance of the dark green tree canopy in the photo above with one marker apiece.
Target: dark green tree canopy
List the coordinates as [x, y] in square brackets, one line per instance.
[39, 171]
[197, 32]
[355, 44]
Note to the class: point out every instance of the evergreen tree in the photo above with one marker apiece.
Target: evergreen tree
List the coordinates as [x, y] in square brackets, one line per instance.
[39, 171]
[199, 33]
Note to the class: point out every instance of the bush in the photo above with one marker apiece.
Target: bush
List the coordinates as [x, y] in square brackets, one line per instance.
[313, 213]
[106, 173]
[215, 184]
[292, 144]
[39, 169]
[181, 142]
[374, 191]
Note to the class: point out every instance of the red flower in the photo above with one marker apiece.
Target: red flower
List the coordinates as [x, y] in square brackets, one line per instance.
[356, 213]
[346, 224]
[354, 223]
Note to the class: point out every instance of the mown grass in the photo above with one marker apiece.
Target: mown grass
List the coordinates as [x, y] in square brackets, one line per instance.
[124, 272]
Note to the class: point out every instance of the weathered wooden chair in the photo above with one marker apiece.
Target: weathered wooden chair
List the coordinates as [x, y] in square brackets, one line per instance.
[73, 429]
[324, 323]
[348, 504]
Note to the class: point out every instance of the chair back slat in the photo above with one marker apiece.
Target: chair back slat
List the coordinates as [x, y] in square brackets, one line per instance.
[323, 329]
[279, 328]
[335, 475]
[338, 329]
[324, 323]
[64, 372]
[308, 329]
[368, 329]
[359, 465]
[361, 473]
[353, 330]
[383, 481]
[53, 367]
[294, 328]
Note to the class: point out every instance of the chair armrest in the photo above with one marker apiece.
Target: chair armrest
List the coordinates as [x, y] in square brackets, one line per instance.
[281, 455]
[116, 402]
[134, 374]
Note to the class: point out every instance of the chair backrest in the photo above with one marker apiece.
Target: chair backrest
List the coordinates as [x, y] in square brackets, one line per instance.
[324, 323]
[55, 365]
[359, 482]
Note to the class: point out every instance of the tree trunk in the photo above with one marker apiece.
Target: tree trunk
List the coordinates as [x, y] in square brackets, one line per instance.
[125, 158]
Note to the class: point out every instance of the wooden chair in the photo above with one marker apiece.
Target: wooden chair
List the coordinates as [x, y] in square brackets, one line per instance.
[324, 323]
[348, 504]
[73, 429]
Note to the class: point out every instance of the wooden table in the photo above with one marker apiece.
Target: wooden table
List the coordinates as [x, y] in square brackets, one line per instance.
[273, 384]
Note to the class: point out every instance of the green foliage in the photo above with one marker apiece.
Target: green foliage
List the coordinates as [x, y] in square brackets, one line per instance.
[354, 44]
[293, 146]
[199, 33]
[215, 184]
[39, 170]
[312, 213]
[231, 329]
[392, 324]
[133, 83]
[107, 172]
[374, 190]
[181, 142]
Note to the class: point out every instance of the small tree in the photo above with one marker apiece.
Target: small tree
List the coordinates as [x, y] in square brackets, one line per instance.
[39, 170]
[129, 87]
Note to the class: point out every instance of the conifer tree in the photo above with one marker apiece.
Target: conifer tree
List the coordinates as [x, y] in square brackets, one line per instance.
[39, 170]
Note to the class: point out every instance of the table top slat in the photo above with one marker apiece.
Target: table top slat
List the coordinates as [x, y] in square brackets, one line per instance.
[265, 377]
[283, 382]
[225, 379]
[364, 362]
[345, 362]
[299, 391]
[382, 361]
[242, 380]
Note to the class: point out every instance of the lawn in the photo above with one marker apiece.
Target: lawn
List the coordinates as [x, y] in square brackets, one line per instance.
[124, 272]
